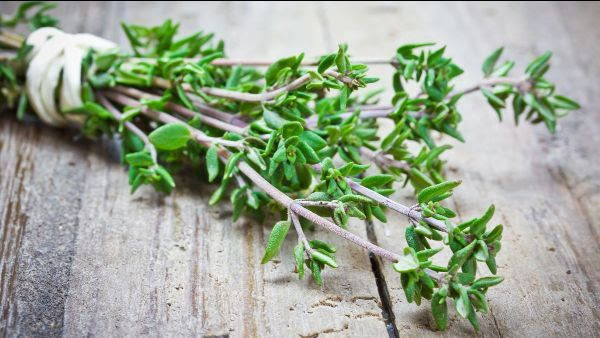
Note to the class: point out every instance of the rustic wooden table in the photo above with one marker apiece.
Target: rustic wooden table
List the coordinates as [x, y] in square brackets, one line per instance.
[81, 256]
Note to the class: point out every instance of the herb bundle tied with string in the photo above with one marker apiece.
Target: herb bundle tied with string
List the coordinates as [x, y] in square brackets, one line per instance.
[290, 138]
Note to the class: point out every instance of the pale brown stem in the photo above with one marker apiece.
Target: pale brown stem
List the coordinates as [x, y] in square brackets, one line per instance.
[9, 41]
[409, 212]
[312, 121]
[366, 107]
[301, 236]
[166, 118]
[250, 97]
[383, 160]
[522, 83]
[211, 121]
[129, 125]
[267, 63]
[323, 204]
[376, 111]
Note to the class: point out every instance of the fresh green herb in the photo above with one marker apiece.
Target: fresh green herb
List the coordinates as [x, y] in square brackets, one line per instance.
[297, 138]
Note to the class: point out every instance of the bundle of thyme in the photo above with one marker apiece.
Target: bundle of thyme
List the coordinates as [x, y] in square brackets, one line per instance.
[292, 137]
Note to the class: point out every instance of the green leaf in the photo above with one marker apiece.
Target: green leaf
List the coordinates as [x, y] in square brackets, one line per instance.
[344, 94]
[315, 269]
[22, 106]
[518, 105]
[98, 110]
[164, 174]
[290, 129]
[275, 240]
[212, 163]
[318, 196]
[323, 258]
[477, 227]
[340, 60]
[463, 304]
[433, 191]
[232, 164]
[494, 100]
[271, 75]
[239, 197]
[139, 159]
[299, 257]
[272, 119]
[486, 282]
[562, 102]
[406, 263]
[253, 156]
[405, 49]
[537, 65]
[423, 129]
[504, 69]
[409, 286]
[376, 180]
[494, 235]
[234, 78]
[450, 130]
[460, 257]
[490, 62]
[170, 136]
[209, 58]
[491, 263]
[423, 255]
[313, 140]
[218, 194]
[356, 199]
[412, 238]
[309, 153]
[317, 244]
[481, 252]
[326, 63]
[439, 309]
[378, 213]
[184, 98]
[472, 317]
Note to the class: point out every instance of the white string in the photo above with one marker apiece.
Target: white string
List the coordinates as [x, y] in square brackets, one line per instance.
[55, 68]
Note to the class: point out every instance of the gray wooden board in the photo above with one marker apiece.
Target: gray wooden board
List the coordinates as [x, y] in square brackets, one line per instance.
[81, 256]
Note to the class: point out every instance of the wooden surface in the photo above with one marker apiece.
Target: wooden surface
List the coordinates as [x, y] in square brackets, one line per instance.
[81, 256]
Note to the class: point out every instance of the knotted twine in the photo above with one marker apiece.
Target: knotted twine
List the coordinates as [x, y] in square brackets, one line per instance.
[55, 69]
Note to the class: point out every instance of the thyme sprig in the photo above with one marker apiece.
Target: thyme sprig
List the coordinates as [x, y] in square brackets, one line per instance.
[296, 138]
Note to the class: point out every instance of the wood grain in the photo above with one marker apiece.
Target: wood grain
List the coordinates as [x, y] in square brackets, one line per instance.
[81, 256]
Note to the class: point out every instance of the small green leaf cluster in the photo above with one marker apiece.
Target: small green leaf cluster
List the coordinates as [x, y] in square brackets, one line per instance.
[470, 243]
[414, 277]
[159, 41]
[39, 19]
[434, 109]
[98, 120]
[320, 253]
[534, 96]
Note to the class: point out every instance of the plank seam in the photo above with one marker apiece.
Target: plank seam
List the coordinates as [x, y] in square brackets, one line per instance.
[387, 310]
